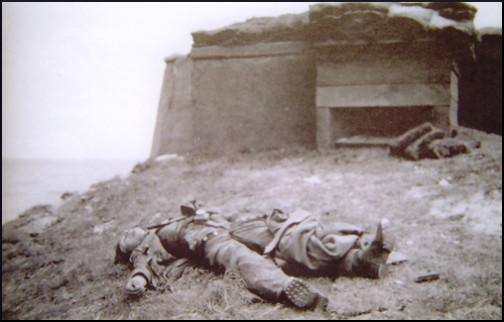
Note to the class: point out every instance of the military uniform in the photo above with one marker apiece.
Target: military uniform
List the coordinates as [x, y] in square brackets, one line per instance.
[248, 249]
[427, 141]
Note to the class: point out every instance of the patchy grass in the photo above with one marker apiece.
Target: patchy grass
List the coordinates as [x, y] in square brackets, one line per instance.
[446, 215]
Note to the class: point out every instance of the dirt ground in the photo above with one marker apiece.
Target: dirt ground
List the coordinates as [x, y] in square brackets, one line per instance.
[445, 215]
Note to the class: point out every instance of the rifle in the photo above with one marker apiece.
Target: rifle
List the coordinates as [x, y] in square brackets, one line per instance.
[187, 212]
[171, 221]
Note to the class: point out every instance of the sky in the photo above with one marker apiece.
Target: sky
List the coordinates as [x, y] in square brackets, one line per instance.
[83, 80]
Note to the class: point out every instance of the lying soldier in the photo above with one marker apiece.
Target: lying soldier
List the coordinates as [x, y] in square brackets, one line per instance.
[427, 141]
[253, 249]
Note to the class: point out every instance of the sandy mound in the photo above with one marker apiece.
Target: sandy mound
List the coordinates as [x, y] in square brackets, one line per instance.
[445, 215]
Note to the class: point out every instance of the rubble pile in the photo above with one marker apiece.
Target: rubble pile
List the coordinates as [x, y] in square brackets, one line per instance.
[353, 21]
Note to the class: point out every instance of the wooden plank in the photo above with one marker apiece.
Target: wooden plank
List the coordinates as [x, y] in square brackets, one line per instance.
[255, 50]
[384, 71]
[394, 95]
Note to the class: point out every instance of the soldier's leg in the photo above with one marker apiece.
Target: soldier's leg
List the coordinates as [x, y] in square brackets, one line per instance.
[260, 274]
[419, 149]
[398, 145]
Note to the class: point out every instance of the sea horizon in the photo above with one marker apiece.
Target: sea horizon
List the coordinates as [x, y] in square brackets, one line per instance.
[27, 182]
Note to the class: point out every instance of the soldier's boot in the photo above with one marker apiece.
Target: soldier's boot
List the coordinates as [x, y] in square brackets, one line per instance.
[136, 285]
[371, 260]
[302, 297]
[138, 281]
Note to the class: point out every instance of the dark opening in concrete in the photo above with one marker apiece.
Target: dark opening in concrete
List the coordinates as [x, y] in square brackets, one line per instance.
[375, 126]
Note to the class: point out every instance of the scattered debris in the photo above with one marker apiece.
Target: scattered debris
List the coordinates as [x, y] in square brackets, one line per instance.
[456, 217]
[402, 303]
[427, 278]
[355, 313]
[382, 309]
[396, 258]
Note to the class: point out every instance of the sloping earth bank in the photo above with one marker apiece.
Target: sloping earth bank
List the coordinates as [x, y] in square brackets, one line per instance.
[445, 215]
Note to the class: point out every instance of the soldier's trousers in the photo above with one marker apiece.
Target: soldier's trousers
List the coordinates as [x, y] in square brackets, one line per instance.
[259, 273]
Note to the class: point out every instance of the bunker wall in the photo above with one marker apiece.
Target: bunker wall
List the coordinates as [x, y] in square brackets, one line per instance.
[174, 123]
[253, 98]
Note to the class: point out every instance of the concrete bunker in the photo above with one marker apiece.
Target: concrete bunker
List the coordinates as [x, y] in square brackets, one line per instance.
[316, 79]
[383, 68]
